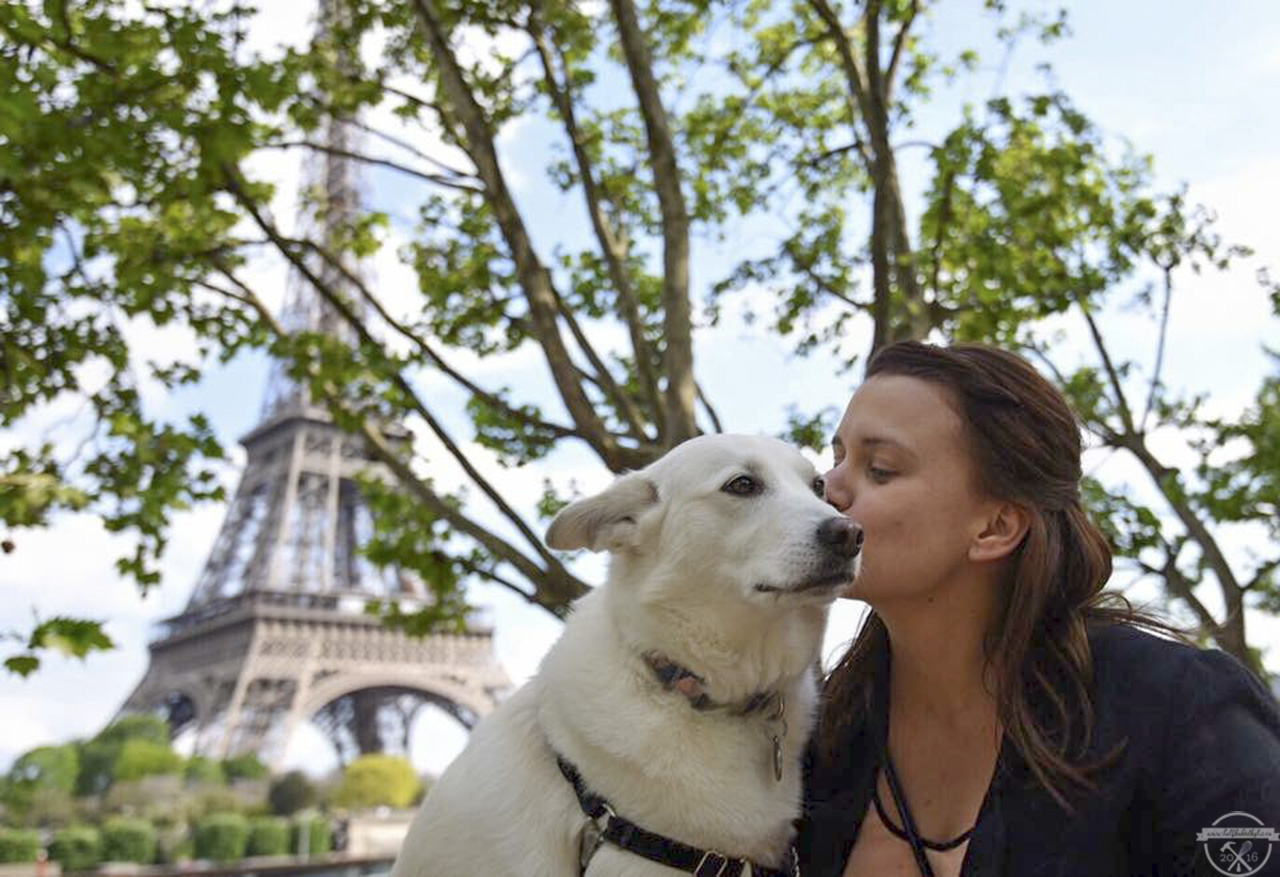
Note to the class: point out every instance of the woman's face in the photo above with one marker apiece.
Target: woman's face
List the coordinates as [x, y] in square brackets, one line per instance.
[903, 472]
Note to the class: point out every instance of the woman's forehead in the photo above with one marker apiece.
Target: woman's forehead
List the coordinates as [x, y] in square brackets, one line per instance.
[912, 412]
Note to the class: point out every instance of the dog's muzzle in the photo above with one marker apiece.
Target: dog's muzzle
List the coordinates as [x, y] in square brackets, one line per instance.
[842, 539]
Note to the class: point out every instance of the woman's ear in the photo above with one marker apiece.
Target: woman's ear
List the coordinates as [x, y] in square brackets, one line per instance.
[606, 521]
[1005, 529]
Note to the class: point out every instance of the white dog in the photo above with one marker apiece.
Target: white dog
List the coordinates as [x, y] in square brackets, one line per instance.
[677, 702]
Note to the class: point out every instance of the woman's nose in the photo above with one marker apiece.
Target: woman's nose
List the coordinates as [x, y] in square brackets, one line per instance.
[834, 490]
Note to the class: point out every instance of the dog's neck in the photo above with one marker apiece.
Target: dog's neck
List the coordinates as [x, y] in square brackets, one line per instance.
[675, 677]
[731, 657]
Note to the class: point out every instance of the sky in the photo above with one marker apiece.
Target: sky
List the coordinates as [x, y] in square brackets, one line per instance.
[1187, 82]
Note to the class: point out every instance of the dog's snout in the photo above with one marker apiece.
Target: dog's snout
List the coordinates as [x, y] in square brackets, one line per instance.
[841, 534]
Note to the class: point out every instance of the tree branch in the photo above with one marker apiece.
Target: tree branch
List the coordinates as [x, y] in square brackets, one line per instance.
[610, 246]
[564, 586]
[1181, 588]
[854, 79]
[1164, 334]
[681, 420]
[891, 73]
[534, 278]
[1113, 376]
[438, 179]
[336, 301]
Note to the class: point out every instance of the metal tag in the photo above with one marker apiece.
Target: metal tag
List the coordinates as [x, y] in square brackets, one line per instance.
[777, 759]
[589, 840]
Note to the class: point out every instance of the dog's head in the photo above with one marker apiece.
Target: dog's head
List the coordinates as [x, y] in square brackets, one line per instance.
[742, 515]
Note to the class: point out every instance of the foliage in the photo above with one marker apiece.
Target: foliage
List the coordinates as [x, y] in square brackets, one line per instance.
[135, 198]
[76, 637]
[50, 808]
[99, 756]
[18, 845]
[52, 768]
[244, 767]
[77, 848]
[221, 837]
[200, 770]
[140, 758]
[318, 834]
[174, 844]
[377, 780]
[128, 840]
[268, 836]
[290, 793]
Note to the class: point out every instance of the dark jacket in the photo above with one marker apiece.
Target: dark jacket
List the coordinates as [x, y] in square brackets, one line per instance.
[1203, 742]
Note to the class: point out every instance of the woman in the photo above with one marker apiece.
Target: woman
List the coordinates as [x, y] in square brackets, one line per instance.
[997, 714]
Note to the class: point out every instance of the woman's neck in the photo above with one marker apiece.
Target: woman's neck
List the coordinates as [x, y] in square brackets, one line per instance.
[939, 670]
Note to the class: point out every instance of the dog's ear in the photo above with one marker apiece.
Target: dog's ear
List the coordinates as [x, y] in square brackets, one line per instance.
[606, 521]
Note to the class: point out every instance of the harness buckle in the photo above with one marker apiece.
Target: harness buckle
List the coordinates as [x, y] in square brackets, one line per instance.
[714, 858]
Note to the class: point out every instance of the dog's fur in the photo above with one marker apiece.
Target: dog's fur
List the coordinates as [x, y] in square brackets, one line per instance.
[733, 587]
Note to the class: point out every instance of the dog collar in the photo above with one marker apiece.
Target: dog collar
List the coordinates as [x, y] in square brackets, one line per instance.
[605, 826]
[674, 677]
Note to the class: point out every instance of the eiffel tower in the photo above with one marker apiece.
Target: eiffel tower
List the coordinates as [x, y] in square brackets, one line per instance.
[275, 633]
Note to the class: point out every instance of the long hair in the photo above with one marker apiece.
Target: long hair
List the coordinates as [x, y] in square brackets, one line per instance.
[1025, 444]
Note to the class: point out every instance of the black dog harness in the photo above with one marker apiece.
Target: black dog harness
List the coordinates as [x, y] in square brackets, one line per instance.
[626, 835]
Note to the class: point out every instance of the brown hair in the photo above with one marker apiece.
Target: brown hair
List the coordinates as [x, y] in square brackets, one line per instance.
[1025, 443]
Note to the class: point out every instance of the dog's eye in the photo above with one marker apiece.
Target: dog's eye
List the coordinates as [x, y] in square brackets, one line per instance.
[819, 487]
[742, 485]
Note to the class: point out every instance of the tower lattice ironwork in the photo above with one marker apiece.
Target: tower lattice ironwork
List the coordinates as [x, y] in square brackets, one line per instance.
[275, 632]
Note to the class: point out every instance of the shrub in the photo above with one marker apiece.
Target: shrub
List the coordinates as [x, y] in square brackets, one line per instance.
[98, 756]
[291, 793]
[142, 758]
[78, 848]
[175, 845]
[128, 840]
[246, 767]
[43, 769]
[222, 837]
[377, 780]
[204, 771]
[18, 845]
[319, 836]
[268, 836]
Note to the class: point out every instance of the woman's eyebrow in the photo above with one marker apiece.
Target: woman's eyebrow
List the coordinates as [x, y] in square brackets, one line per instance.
[874, 441]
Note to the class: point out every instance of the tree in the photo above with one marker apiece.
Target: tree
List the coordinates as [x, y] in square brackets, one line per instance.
[247, 766]
[204, 771]
[290, 793]
[377, 781]
[143, 736]
[39, 786]
[129, 193]
[45, 767]
[142, 758]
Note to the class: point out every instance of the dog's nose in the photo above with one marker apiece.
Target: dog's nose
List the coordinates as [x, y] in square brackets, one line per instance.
[841, 534]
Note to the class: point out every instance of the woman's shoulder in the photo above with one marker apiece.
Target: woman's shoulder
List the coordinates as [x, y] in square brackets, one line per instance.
[1143, 669]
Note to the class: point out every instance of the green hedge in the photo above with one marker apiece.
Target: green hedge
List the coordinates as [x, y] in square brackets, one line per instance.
[78, 848]
[128, 840]
[175, 845]
[18, 845]
[268, 836]
[222, 837]
[319, 839]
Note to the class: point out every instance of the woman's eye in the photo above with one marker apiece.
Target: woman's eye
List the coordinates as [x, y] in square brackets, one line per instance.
[819, 487]
[743, 485]
[878, 474]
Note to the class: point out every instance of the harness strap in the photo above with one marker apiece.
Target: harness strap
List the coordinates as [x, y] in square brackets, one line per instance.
[627, 835]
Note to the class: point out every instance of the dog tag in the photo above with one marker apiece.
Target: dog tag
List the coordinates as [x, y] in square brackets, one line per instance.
[589, 841]
[777, 759]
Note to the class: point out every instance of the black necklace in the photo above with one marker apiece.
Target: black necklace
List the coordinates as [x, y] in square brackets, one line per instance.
[910, 835]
